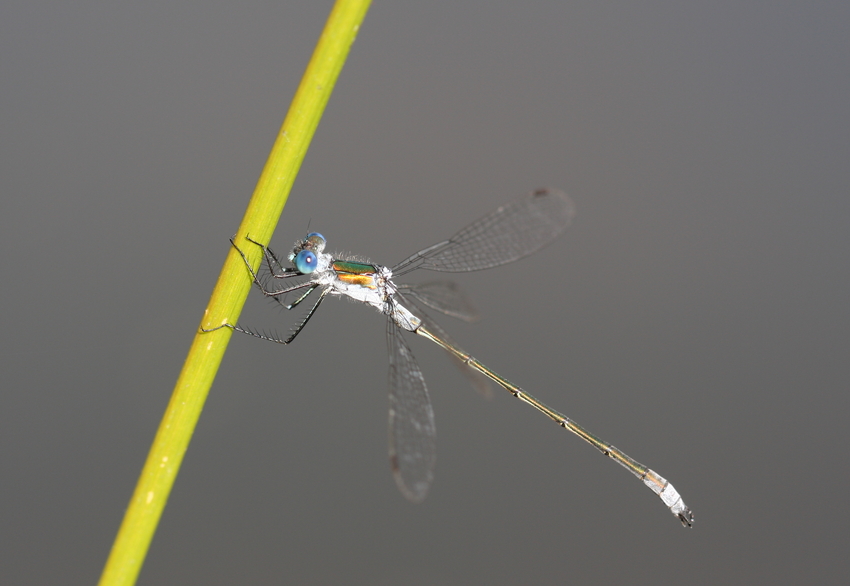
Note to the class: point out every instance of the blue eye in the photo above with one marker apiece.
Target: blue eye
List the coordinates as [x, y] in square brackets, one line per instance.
[305, 261]
[314, 241]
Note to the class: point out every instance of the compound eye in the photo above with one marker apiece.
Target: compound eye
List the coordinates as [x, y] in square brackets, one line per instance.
[305, 261]
[314, 242]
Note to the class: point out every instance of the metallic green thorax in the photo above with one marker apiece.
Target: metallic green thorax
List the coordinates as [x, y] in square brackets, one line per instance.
[356, 268]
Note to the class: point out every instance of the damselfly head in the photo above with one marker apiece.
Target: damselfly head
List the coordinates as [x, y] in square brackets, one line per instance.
[314, 242]
[305, 253]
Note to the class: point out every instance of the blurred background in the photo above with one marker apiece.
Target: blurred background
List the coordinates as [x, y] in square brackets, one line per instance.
[695, 315]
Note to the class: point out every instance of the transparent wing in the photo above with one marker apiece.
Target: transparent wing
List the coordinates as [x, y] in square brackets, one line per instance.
[478, 381]
[511, 232]
[412, 433]
[444, 296]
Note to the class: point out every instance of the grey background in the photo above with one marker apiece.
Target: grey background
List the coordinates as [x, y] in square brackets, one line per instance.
[696, 315]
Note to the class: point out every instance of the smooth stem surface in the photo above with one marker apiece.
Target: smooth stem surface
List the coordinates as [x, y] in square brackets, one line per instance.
[228, 297]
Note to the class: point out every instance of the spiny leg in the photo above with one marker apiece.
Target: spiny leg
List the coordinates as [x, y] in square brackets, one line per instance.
[310, 286]
[269, 258]
[295, 332]
[307, 317]
[653, 480]
[287, 272]
[272, 261]
[299, 300]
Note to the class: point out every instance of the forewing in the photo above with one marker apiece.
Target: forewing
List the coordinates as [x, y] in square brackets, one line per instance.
[507, 234]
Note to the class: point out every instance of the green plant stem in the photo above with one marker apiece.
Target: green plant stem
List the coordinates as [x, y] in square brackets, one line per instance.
[228, 297]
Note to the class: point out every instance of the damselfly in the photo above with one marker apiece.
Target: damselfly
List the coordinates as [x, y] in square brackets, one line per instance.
[505, 235]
